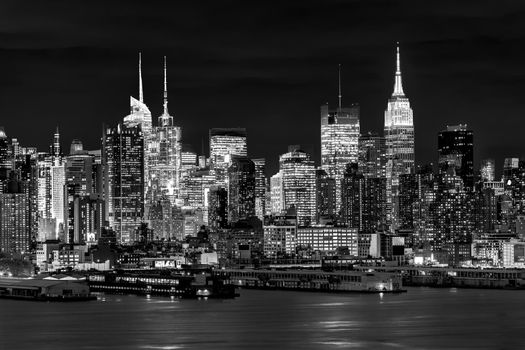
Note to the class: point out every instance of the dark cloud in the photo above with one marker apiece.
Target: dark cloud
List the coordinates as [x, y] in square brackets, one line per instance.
[266, 65]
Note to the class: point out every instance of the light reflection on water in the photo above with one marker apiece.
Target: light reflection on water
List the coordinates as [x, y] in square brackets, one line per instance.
[423, 318]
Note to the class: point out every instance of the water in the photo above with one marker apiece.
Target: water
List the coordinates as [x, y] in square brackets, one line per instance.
[423, 318]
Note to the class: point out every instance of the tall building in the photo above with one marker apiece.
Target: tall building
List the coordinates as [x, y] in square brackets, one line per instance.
[298, 184]
[399, 141]
[276, 193]
[140, 116]
[241, 189]
[217, 207]
[194, 190]
[260, 187]
[139, 112]
[15, 230]
[80, 184]
[488, 170]
[363, 200]
[324, 197]
[123, 157]
[224, 144]
[456, 153]
[5, 156]
[339, 140]
[372, 155]
[164, 155]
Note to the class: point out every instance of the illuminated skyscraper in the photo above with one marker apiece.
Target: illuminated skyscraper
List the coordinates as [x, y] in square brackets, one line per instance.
[195, 186]
[5, 156]
[339, 140]
[225, 143]
[51, 180]
[276, 193]
[140, 116]
[325, 196]
[80, 184]
[488, 170]
[363, 200]
[164, 155]
[372, 157]
[456, 153]
[123, 157]
[399, 138]
[241, 189]
[139, 112]
[260, 187]
[217, 207]
[15, 230]
[298, 179]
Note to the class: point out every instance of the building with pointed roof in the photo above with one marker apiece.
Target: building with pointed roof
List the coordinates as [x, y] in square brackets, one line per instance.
[399, 139]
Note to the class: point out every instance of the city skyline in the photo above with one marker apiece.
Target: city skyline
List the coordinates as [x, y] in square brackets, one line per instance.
[475, 71]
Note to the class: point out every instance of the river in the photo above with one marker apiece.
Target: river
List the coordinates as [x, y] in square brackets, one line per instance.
[422, 318]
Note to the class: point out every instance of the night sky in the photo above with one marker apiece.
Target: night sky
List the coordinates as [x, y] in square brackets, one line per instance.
[266, 66]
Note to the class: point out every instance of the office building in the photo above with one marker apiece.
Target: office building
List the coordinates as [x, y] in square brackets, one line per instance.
[123, 159]
[456, 153]
[298, 184]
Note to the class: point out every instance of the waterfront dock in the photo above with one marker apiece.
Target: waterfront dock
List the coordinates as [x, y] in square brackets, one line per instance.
[45, 290]
[313, 280]
[427, 276]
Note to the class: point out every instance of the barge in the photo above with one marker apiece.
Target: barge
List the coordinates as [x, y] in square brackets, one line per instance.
[313, 280]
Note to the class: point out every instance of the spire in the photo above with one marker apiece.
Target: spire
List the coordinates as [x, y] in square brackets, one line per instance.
[340, 86]
[141, 94]
[398, 86]
[165, 89]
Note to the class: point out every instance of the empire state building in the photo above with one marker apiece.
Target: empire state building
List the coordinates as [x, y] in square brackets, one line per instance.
[399, 137]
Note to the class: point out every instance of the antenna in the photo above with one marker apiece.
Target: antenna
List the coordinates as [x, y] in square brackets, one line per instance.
[141, 94]
[340, 86]
[165, 88]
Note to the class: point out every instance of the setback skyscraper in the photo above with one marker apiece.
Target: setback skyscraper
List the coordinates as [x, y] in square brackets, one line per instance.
[164, 152]
[399, 139]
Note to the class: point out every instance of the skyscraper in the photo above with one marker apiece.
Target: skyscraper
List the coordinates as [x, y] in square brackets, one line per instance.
[298, 184]
[399, 140]
[123, 157]
[339, 140]
[5, 156]
[241, 189]
[224, 144]
[456, 153]
[488, 170]
[260, 187]
[164, 155]
[140, 116]
[363, 200]
[80, 184]
[372, 156]
[15, 230]
[276, 193]
[324, 196]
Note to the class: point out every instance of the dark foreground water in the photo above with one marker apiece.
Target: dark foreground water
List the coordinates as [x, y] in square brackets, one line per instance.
[423, 318]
